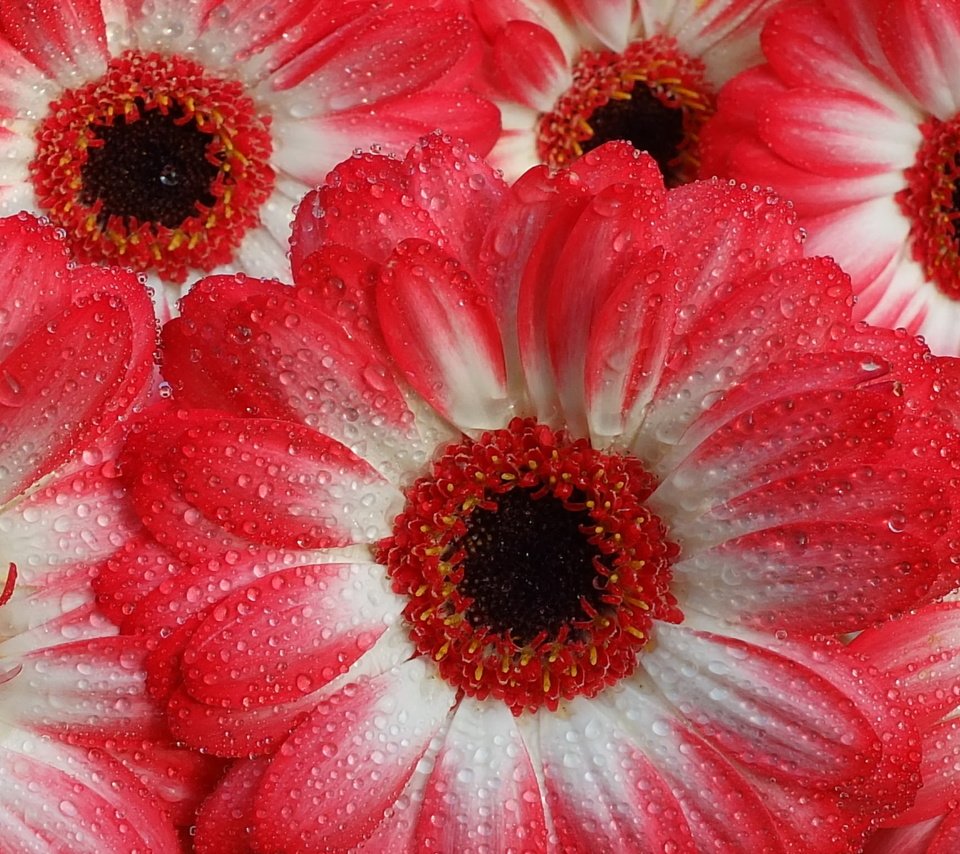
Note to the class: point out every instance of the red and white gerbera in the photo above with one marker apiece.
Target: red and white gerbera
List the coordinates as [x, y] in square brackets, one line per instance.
[856, 118]
[921, 652]
[85, 764]
[176, 137]
[519, 521]
[569, 75]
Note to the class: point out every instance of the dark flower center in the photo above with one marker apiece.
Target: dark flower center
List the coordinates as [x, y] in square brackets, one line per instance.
[651, 95]
[154, 169]
[532, 569]
[156, 165]
[527, 565]
[642, 120]
[931, 202]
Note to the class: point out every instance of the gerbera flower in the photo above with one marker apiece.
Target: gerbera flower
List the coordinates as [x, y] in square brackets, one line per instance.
[79, 740]
[569, 76]
[175, 138]
[855, 118]
[921, 652]
[512, 524]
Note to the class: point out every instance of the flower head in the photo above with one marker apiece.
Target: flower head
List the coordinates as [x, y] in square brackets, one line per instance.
[856, 117]
[175, 138]
[516, 516]
[569, 76]
[81, 748]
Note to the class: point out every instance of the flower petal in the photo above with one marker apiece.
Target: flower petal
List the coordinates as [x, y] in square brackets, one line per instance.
[602, 245]
[443, 336]
[462, 193]
[838, 134]
[528, 66]
[242, 731]
[274, 354]
[348, 747]
[90, 690]
[57, 37]
[483, 789]
[627, 348]
[222, 822]
[767, 711]
[341, 212]
[919, 37]
[621, 769]
[922, 652]
[56, 387]
[391, 53]
[282, 484]
[323, 618]
[608, 20]
[65, 800]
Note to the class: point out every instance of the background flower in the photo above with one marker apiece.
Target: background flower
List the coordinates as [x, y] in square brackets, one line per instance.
[922, 652]
[569, 76]
[763, 457]
[86, 764]
[854, 118]
[176, 137]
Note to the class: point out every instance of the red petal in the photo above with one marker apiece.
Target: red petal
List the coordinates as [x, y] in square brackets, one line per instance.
[606, 241]
[277, 356]
[281, 484]
[463, 194]
[483, 786]
[65, 800]
[364, 205]
[767, 711]
[803, 42]
[414, 49]
[443, 336]
[528, 66]
[31, 261]
[627, 347]
[91, 691]
[178, 777]
[601, 787]
[617, 163]
[595, 775]
[838, 134]
[714, 230]
[810, 820]
[919, 37]
[922, 652]
[235, 733]
[176, 524]
[127, 578]
[223, 823]
[56, 37]
[65, 383]
[193, 359]
[781, 577]
[323, 618]
[358, 748]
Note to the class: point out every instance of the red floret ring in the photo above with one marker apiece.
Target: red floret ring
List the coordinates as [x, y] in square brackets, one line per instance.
[135, 85]
[425, 558]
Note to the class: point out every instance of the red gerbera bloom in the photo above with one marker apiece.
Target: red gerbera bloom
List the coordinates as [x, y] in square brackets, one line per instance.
[85, 761]
[511, 524]
[569, 75]
[856, 118]
[176, 138]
